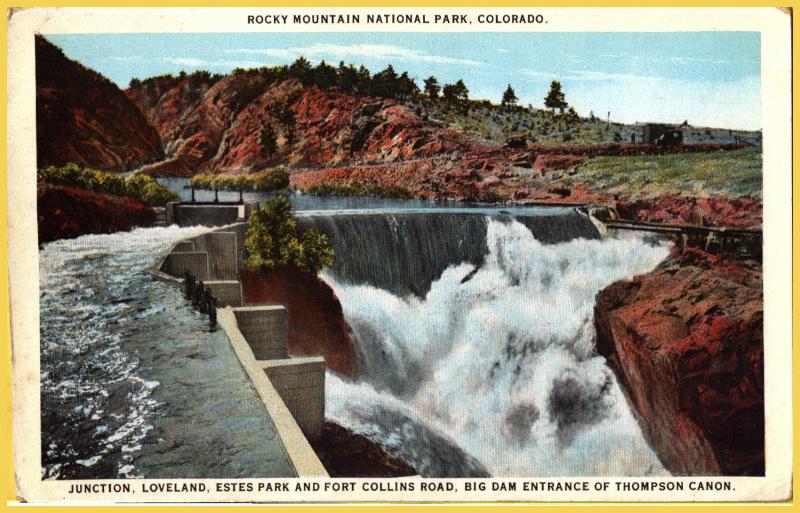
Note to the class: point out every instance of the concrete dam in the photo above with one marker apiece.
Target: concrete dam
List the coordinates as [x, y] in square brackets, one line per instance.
[405, 251]
[473, 326]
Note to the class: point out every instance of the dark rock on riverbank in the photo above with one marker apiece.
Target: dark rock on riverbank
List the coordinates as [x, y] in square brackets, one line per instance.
[686, 343]
[68, 212]
[316, 320]
[347, 454]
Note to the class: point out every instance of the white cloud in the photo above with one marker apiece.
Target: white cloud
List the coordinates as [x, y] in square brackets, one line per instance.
[695, 60]
[385, 52]
[201, 63]
[588, 75]
[127, 58]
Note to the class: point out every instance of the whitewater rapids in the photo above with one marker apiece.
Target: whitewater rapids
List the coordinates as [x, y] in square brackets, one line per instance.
[495, 371]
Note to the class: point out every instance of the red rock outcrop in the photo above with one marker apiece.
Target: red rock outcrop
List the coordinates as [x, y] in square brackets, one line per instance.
[704, 210]
[686, 344]
[82, 117]
[67, 212]
[316, 320]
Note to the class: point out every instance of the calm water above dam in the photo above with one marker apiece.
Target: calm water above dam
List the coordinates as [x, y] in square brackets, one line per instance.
[474, 327]
[313, 202]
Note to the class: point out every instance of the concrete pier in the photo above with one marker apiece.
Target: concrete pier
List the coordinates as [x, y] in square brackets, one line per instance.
[301, 384]
[265, 328]
[178, 262]
[227, 292]
[223, 254]
[207, 214]
[184, 245]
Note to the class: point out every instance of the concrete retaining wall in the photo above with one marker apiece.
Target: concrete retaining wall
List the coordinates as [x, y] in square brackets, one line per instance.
[205, 214]
[301, 384]
[223, 254]
[178, 262]
[265, 329]
[303, 458]
[292, 389]
[227, 292]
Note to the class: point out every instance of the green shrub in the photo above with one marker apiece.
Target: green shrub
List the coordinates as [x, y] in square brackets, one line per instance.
[271, 180]
[273, 240]
[266, 180]
[154, 194]
[140, 186]
[146, 189]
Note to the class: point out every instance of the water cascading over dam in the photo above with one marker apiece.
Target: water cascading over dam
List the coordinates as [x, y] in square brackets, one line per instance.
[404, 252]
[476, 340]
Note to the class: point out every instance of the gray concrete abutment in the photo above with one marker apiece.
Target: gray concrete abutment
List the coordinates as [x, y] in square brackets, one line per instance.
[291, 388]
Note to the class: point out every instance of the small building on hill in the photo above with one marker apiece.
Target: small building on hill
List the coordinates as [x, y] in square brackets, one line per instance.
[662, 134]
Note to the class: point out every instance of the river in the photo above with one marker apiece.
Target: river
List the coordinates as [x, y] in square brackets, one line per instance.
[134, 383]
[474, 326]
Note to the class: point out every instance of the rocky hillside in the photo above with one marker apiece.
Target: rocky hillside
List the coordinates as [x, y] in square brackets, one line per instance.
[82, 117]
[244, 121]
[686, 343]
[338, 142]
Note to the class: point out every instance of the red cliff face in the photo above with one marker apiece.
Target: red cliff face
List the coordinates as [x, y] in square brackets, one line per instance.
[82, 117]
[316, 320]
[67, 212]
[218, 127]
[686, 343]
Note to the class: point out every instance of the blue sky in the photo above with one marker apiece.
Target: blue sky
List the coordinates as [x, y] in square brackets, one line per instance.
[708, 78]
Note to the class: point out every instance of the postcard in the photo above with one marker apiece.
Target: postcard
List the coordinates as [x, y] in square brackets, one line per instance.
[314, 255]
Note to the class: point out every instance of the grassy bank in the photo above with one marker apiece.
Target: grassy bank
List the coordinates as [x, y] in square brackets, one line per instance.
[734, 173]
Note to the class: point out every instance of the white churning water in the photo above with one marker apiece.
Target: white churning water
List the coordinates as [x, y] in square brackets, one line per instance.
[495, 370]
[96, 406]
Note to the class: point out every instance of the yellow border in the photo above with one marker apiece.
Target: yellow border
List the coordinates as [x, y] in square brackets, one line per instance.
[6, 446]
[6, 449]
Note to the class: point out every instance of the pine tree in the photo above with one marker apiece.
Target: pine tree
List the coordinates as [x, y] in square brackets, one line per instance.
[347, 77]
[384, 83]
[301, 70]
[432, 87]
[455, 93]
[324, 75]
[269, 142]
[509, 97]
[555, 97]
[406, 87]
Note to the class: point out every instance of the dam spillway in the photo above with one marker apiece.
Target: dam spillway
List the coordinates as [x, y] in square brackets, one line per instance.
[404, 251]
